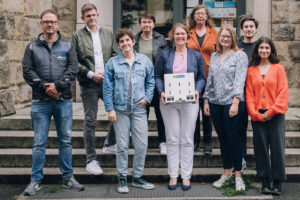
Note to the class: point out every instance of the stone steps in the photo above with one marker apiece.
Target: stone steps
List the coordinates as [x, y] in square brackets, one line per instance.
[20, 122]
[155, 175]
[22, 158]
[24, 139]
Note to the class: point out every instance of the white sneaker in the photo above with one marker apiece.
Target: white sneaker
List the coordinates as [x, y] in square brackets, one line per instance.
[221, 181]
[239, 184]
[94, 168]
[110, 149]
[163, 148]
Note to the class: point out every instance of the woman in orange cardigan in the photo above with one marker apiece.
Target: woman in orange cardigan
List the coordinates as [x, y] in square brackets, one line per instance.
[203, 38]
[267, 97]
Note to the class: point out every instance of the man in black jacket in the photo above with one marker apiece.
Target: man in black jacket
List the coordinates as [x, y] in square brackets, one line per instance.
[50, 67]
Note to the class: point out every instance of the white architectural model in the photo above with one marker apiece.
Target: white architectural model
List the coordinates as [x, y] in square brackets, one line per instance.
[179, 88]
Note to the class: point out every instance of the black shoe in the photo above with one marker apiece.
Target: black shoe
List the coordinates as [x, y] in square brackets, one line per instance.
[265, 186]
[276, 188]
[207, 148]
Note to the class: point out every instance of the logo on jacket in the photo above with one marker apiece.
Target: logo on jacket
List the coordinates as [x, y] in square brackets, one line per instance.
[62, 58]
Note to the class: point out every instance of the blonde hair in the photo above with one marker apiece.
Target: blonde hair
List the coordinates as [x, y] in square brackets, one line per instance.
[209, 22]
[232, 32]
[172, 31]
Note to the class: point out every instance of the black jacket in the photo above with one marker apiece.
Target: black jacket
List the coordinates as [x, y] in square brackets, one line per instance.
[159, 44]
[42, 64]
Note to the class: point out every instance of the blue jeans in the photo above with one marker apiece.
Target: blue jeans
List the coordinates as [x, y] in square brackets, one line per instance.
[41, 113]
[229, 134]
[134, 121]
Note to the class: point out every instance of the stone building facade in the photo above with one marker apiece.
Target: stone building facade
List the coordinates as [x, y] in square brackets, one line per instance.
[19, 24]
[286, 36]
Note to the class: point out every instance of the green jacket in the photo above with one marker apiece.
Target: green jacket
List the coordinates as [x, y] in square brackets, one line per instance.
[83, 43]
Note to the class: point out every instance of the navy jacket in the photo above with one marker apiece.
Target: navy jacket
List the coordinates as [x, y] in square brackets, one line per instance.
[195, 64]
[42, 64]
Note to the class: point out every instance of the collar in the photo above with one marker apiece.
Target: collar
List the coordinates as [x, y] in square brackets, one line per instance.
[123, 61]
[42, 39]
[89, 30]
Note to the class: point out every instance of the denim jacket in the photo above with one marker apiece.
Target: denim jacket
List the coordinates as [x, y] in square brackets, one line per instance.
[116, 82]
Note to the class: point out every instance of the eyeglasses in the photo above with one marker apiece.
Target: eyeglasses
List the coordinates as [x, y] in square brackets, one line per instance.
[49, 22]
[200, 14]
[226, 36]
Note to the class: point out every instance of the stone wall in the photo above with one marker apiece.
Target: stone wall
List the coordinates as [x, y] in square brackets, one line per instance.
[286, 36]
[19, 24]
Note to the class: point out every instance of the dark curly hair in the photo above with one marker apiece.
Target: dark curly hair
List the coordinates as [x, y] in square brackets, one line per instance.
[255, 58]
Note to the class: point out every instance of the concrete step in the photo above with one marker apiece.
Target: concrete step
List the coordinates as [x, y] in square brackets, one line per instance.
[24, 139]
[22, 158]
[17, 122]
[155, 175]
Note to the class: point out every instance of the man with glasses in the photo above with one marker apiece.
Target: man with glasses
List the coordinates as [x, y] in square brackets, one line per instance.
[50, 67]
[95, 45]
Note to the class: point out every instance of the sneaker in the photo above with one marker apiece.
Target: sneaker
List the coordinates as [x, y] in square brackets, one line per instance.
[32, 188]
[94, 168]
[244, 165]
[141, 183]
[221, 181]
[207, 148]
[163, 148]
[276, 191]
[71, 183]
[109, 149]
[265, 186]
[239, 184]
[122, 184]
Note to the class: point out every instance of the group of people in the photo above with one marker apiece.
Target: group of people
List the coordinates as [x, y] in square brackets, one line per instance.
[231, 78]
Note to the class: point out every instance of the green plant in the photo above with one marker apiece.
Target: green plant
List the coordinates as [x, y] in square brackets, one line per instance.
[228, 188]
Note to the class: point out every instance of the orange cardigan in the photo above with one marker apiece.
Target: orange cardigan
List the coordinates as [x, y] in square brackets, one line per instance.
[270, 93]
[208, 46]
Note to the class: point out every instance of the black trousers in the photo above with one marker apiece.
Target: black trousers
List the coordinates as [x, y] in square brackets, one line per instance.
[90, 98]
[244, 123]
[159, 119]
[229, 134]
[270, 135]
[207, 126]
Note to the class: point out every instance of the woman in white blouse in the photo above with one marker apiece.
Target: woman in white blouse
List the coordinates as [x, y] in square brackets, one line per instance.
[224, 100]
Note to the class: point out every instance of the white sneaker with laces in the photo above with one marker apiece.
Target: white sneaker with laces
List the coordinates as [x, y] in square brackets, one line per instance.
[239, 184]
[221, 181]
[163, 148]
[94, 168]
[110, 149]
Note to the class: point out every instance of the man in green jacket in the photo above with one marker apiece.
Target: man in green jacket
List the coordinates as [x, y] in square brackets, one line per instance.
[95, 45]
